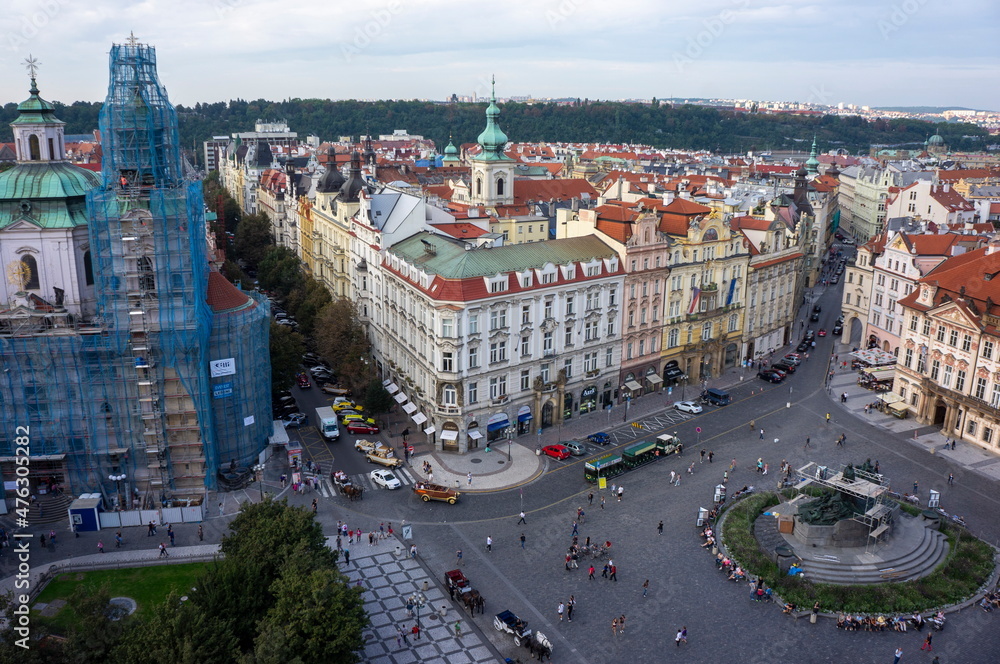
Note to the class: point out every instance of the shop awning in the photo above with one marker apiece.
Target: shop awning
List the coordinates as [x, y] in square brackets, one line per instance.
[673, 372]
[409, 407]
[500, 424]
[392, 388]
[449, 434]
[633, 386]
[654, 379]
[429, 430]
[890, 398]
[899, 406]
[385, 383]
[474, 434]
[400, 398]
[419, 418]
[524, 417]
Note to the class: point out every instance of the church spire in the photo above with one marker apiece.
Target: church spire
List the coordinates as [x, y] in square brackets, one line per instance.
[38, 133]
[492, 139]
[812, 164]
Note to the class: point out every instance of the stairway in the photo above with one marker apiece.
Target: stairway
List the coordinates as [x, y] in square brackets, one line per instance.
[50, 508]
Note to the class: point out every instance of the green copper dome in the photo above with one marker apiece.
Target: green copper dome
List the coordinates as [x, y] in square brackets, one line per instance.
[450, 149]
[936, 139]
[35, 110]
[492, 139]
[51, 194]
[812, 164]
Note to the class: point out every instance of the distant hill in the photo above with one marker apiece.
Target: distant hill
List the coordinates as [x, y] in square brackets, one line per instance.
[922, 109]
[659, 124]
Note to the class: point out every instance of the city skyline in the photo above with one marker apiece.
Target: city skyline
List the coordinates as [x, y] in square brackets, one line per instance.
[855, 53]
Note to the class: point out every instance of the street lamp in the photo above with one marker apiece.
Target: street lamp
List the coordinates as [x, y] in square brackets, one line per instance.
[118, 479]
[417, 600]
[259, 473]
[628, 401]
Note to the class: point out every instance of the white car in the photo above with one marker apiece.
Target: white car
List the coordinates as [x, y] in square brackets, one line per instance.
[687, 406]
[385, 478]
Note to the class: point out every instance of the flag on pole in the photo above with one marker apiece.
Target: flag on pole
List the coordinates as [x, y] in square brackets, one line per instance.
[695, 296]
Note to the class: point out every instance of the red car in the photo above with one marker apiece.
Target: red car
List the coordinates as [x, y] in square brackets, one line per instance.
[559, 452]
[821, 333]
[355, 426]
[303, 382]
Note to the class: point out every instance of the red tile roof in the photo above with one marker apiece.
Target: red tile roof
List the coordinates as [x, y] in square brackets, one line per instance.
[561, 189]
[460, 230]
[951, 200]
[975, 271]
[223, 296]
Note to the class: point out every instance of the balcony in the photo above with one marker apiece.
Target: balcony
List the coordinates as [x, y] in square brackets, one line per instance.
[593, 374]
[500, 400]
[710, 288]
[447, 410]
[549, 352]
[548, 387]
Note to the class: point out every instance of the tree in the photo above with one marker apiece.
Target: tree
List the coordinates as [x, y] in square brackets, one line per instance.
[280, 271]
[377, 399]
[341, 339]
[234, 273]
[253, 239]
[287, 348]
[306, 301]
[93, 636]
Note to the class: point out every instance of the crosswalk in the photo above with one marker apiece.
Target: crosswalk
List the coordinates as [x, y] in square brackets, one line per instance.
[327, 489]
[649, 424]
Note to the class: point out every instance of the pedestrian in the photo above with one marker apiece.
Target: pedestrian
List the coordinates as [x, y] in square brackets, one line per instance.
[951, 479]
[702, 457]
[766, 465]
[614, 488]
[489, 543]
[150, 529]
[899, 653]
[684, 634]
[458, 557]
[590, 498]
[604, 572]
[52, 537]
[41, 540]
[762, 434]
[458, 628]
[691, 469]
[521, 520]
[201, 534]
[621, 624]
[170, 533]
[416, 632]
[828, 418]
[915, 486]
[315, 505]
[614, 626]
[413, 551]
[645, 587]
[876, 467]
[569, 558]
[118, 539]
[672, 473]
[560, 609]
[953, 443]
[163, 551]
[522, 540]
[927, 642]
[614, 574]
[347, 556]
[602, 501]
[576, 531]
[100, 546]
[621, 490]
[677, 639]
[469, 476]
[806, 446]
[677, 482]
[753, 425]
[659, 528]
[221, 509]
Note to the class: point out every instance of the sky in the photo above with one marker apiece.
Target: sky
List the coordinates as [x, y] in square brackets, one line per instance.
[865, 52]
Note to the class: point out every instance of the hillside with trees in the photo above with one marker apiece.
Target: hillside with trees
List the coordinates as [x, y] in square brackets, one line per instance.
[658, 124]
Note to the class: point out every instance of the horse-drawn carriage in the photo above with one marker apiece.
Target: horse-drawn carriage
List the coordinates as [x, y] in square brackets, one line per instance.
[461, 590]
[536, 642]
[344, 485]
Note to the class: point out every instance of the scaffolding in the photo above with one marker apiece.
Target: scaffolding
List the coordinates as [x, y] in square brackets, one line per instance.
[868, 490]
[130, 391]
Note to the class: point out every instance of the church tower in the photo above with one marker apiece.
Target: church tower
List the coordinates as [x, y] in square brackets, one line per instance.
[492, 170]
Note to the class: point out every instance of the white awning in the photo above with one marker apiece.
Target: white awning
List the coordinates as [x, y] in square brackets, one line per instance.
[385, 383]
[474, 434]
[400, 398]
[429, 430]
[654, 379]
[392, 388]
[449, 434]
[633, 386]
[409, 407]
[419, 418]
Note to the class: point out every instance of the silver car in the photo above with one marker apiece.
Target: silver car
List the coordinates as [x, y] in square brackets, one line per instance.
[575, 448]
[687, 407]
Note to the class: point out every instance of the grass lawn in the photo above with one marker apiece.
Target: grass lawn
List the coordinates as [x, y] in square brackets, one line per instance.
[146, 585]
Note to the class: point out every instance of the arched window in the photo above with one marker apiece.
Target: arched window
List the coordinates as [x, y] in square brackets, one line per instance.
[450, 395]
[88, 269]
[500, 185]
[34, 152]
[31, 280]
[479, 186]
[647, 236]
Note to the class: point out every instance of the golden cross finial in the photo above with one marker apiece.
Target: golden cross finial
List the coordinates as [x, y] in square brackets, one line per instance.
[132, 39]
[31, 64]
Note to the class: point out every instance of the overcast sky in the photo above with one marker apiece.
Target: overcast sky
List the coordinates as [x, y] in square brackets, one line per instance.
[874, 52]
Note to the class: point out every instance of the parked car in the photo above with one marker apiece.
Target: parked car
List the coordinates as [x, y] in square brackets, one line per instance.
[319, 369]
[558, 452]
[822, 332]
[359, 418]
[355, 426]
[715, 397]
[792, 358]
[575, 448]
[838, 329]
[803, 346]
[770, 376]
[365, 446]
[336, 391]
[294, 420]
[340, 405]
[599, 438]
[814, 317]
[817, 308]
[687, 407]
[303, 382]
[835, 280]
[385, 479]
[848, 241]
[783, 367]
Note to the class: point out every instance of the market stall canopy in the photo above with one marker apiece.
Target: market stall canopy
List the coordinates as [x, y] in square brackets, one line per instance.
[875, 357]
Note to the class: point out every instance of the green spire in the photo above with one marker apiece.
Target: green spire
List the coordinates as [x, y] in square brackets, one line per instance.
[35, 110]
[492, 139]
[812, 164]
[450, 152]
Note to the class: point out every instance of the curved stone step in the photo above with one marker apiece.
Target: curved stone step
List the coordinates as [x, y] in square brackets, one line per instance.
[913, 565]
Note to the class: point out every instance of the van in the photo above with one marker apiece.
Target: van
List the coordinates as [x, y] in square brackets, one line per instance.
[715, 397]
[326, 422]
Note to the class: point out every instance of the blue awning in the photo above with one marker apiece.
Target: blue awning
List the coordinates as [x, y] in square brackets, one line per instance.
[502, 424]
[524, 417]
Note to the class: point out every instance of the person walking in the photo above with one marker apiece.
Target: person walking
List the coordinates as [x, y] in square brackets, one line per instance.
[899, 654]
[927, 642]
[469, 476]
[762, 434]
[170, 534]
[951, 479]
[604, 572]
[677, 639]
[684, 634]
[458, 557]
[560, 609]
[570, 603]
[347, 556]
[753, 425]
[614, 626]
[645, 587]
[590, 573]
[576, 530]
[614, 574]
[659, 528]
[163, 551]
[590, 498]
[691, 469]
[602, 501]
[522, 540]
[916, 487]
[222, 509]
[118, 540]
[489, 544]
[201, 534]
[521, 520]
[458, 629]
[621, 624]
[315, 505]
[100, 546]
[828, 418]
[702, 457]
[621, 490]
[806, 446]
